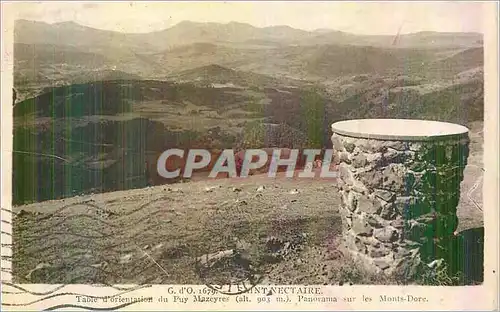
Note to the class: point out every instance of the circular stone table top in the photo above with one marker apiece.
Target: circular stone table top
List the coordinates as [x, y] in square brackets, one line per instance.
[399, 129]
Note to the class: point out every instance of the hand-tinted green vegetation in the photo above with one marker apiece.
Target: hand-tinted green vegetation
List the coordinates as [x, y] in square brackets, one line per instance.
[89, 115]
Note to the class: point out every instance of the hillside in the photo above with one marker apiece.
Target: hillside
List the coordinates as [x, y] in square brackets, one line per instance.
[460, 61]
[286, 65]
[424, 39]
[215, 86]
[459, 103]
[73, 34]
[188, 32]
[40, 66]
[324, 61]
[218, 76]
[98, 128]
[49, 55]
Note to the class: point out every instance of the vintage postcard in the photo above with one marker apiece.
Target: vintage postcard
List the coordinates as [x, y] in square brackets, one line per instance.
[257, 155]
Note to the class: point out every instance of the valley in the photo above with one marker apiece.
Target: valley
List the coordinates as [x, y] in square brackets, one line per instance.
[94, 109]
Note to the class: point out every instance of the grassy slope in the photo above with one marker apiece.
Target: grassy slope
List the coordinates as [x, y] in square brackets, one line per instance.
[101, 127]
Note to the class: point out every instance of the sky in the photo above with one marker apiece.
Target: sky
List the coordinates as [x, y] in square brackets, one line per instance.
[356, 17]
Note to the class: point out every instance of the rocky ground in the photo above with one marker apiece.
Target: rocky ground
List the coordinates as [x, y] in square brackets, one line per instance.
[288, 228]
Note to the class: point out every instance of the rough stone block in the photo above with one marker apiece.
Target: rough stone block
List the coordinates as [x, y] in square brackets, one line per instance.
[375, 221]
[372, 146]
[359, 160]
[386, 235]
[337, 143]
[344, 157]
[360, 226]
[398, 223]
[396, 145]
[346, 174]
[383, 264]
[378, 252]
[394, 178]
[355, 244]
[385, 195]
[368, 205]
[349, 146]
[393, 156]
[352, 201]
[388, 211]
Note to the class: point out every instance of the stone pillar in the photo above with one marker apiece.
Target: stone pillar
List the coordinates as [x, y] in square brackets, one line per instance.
[400, 187]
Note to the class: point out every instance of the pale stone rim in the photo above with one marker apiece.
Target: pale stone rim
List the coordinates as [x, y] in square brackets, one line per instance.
[448, 130]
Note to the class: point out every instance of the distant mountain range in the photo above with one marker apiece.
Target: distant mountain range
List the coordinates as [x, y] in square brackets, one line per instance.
[70, 33]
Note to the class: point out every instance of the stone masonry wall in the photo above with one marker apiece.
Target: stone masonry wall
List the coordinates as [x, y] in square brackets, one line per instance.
[399, 200]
